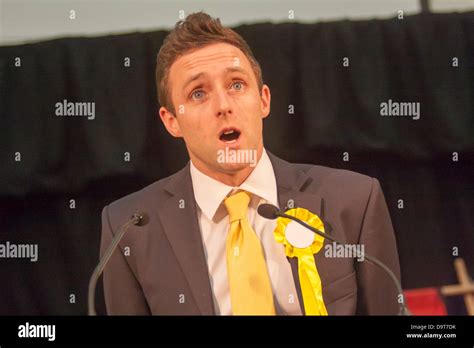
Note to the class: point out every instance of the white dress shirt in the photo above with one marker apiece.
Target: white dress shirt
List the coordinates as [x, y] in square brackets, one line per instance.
[214, 224]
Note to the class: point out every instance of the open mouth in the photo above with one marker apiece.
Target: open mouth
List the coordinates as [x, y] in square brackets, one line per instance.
[229, 135]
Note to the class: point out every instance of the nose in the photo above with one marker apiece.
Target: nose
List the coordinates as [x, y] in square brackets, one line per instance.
[222, 103]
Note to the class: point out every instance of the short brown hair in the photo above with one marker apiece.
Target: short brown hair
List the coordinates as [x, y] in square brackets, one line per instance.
[196, 31]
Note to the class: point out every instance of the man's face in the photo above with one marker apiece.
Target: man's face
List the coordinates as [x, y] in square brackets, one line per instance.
[217, 103]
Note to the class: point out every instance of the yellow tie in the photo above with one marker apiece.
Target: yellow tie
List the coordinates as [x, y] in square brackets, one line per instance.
[250, 288]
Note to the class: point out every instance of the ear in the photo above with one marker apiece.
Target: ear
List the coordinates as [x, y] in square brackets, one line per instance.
[171, 122]
[265, 99]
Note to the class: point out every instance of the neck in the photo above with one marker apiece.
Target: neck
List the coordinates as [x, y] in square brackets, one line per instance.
[233, 179]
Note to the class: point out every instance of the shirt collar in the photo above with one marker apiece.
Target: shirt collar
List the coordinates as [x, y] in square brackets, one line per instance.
[209, 193]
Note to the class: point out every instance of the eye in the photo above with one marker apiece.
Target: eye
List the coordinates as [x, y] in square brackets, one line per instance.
[197, 94]
[238, 85]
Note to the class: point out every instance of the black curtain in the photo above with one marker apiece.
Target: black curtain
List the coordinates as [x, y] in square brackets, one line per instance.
[426, 58]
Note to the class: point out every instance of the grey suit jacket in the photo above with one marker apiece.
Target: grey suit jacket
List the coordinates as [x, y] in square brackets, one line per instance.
[161, 267]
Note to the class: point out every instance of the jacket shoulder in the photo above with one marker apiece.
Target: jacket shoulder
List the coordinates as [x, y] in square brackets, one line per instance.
[339, 182]
[152, 195]
[335, 174]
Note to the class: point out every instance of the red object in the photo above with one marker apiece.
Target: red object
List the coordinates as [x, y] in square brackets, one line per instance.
[425, 301]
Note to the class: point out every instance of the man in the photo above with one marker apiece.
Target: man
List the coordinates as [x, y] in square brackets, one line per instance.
[206, 250]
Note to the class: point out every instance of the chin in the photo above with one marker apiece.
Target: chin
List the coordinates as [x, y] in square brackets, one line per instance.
[232, 167]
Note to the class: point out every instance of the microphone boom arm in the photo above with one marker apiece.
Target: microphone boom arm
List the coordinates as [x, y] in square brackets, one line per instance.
[135, 220]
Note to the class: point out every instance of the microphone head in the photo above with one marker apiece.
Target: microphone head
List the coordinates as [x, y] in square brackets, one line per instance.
[141, 218]
[268, 211]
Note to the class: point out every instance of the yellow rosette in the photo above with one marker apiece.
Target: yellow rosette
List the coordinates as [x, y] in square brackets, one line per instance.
[310, 281]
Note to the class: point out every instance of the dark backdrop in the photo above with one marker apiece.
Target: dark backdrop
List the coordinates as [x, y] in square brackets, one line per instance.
[336, 110]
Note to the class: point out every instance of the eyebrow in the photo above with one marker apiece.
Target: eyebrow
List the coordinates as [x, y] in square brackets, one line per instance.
[201, 74]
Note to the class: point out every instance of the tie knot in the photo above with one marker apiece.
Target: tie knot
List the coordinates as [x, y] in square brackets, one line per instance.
[237, 205]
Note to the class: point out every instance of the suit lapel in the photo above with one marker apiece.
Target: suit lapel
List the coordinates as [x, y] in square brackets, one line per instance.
[181, 226]
[291, 184]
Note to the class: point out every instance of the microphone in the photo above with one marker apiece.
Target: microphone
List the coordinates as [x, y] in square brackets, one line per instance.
[137, 219]
[268, 211]
[271, 212]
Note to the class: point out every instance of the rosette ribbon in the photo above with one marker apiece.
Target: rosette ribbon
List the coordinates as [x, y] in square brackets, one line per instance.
[310, 281]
